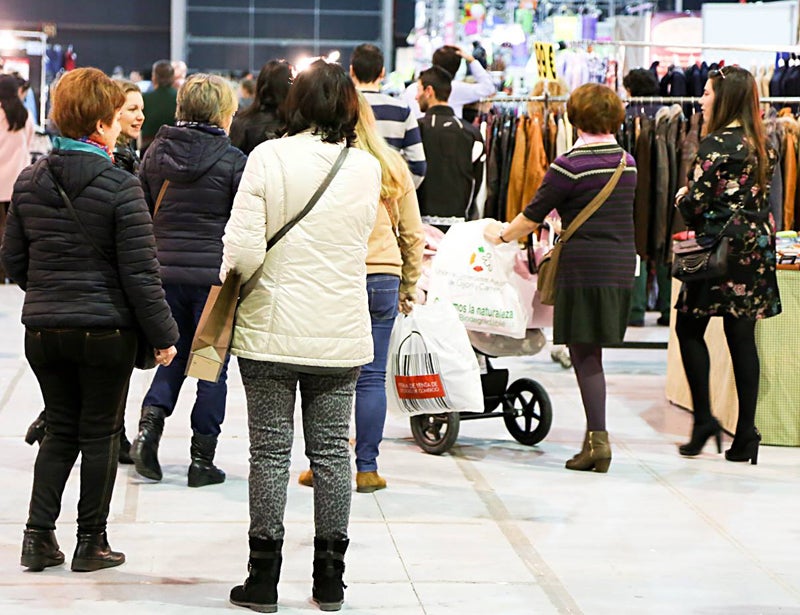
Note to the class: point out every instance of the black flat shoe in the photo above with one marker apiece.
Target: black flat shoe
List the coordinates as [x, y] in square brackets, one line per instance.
[36, 430]
[700, 434]
[40, 550]
[124, 450]
[94, 553]
[745, 451]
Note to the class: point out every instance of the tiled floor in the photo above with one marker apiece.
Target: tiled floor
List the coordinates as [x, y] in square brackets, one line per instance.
[494, 527]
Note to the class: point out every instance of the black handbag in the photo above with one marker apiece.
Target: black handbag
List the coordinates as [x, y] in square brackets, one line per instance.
[692, 261]
[145, 352]
[702, 258]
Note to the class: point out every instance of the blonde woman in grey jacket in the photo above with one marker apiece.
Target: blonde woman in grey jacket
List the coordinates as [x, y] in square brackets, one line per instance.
[305, 322]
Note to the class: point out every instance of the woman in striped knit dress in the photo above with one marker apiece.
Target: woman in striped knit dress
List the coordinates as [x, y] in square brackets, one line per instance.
[595, 273]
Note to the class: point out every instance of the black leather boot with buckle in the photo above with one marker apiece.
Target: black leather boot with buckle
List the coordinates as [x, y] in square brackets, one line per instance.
[328, 588]
[259, 592]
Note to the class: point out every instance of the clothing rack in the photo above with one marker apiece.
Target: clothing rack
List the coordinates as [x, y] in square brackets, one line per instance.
[708, 46]
[679, 100]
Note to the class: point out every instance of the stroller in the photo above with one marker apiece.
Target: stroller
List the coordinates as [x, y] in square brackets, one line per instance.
[524, 404]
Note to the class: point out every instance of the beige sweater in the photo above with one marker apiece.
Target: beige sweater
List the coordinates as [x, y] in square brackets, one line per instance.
[396, 244]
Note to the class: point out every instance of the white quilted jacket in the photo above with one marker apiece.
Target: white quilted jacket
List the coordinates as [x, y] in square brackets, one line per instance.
[309, 306]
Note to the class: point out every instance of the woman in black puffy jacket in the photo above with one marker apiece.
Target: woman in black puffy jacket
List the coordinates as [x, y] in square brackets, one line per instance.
[125, 157]
[194, 171]
[90, 275]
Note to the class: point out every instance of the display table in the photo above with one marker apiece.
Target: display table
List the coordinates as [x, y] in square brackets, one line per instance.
[778, 343]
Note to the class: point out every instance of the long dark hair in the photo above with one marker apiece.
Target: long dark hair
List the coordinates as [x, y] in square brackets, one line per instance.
[272, 87]
[324, 99]
[16, 113]
[736, 100]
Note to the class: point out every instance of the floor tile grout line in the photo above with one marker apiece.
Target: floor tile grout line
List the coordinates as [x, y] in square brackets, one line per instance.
[400, 555]
[12, 386]
[547, 579]
[776, 578]
[131, 505]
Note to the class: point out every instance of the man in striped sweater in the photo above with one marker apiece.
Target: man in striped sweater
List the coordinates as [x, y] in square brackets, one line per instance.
[396, 123]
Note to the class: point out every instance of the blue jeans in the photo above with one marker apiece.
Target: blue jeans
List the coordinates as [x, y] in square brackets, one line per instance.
[186, 302]
[383, 293]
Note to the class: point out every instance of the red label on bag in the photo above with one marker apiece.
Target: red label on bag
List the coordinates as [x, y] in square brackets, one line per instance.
[428, 386]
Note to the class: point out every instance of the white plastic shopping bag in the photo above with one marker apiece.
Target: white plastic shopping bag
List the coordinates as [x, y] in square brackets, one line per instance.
[431, 366]
[476, 277]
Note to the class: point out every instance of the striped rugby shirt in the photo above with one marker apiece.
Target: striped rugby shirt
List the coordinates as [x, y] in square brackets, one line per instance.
[400, 129]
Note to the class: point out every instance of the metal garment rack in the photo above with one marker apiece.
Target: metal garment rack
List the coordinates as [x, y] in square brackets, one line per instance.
[680, 100]
[516, 100]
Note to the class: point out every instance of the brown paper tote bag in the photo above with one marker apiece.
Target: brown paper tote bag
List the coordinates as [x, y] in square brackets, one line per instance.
[212, 340]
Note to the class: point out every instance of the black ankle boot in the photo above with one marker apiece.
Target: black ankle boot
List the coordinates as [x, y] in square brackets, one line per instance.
[124, 449]
[745, 447]
[701, 432]
[36, 430]
[202, 470]
[40, 550]
[94, 553]
[328, 588]
[144, 450]
[260, 590]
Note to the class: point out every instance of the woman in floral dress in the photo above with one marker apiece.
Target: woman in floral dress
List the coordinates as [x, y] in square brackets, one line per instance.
[728, 193]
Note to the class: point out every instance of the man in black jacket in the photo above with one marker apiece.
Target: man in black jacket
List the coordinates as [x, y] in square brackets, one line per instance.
[454, 152]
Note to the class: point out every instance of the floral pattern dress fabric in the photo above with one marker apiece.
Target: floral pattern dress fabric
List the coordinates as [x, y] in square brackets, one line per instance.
[723, 189]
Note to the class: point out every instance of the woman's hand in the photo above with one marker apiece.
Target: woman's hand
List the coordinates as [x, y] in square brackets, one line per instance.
[406, 304]
[554, 223]
[681, 194]
[164, 356]
[491, 233]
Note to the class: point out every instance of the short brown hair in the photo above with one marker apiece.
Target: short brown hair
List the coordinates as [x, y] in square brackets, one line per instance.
[206, 98]
[596, 109]
[163, 74]
[85, 96]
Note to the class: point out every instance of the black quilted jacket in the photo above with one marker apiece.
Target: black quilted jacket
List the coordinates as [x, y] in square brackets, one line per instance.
[67, 284]
[204, 170]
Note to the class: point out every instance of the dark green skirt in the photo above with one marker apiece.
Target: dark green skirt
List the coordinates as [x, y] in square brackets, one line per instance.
[591, 315]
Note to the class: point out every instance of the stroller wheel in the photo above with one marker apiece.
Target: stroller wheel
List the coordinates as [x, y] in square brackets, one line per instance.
[527, 411]
[435, 433]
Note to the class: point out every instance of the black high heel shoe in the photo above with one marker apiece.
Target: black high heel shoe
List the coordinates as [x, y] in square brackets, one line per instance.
[745, 452]
[700, 435]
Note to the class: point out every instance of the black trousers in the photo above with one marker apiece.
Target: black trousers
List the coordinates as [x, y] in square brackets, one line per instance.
[83, 375]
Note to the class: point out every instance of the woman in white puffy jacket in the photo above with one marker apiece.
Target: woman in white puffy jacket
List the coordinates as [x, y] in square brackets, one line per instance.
[306, 321]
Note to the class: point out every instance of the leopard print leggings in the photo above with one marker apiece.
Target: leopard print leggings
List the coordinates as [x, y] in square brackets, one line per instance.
[327, 403]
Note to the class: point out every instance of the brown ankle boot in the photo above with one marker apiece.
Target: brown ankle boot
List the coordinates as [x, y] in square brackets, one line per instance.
[306, 478]
[367, 482]
[596, 453]
[584, 448]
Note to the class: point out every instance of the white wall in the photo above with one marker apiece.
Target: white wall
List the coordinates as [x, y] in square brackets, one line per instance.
[771, 23]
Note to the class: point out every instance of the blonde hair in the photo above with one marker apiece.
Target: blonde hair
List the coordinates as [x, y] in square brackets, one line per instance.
[554, 87]
[206, 98]
[394, 171]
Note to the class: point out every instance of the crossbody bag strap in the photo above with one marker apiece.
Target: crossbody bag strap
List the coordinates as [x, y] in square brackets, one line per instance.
[250, 285]
[313, 201]
[80, 224]
[596, 202]
[160, 197]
